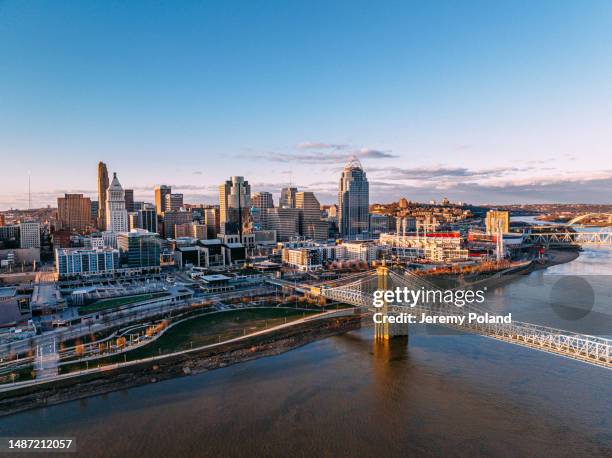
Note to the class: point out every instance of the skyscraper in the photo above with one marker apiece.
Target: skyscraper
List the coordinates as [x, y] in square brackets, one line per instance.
[287, 197]
[74, 212]
[260, 201]
[212, 221]
[173, 202]
[147, 218]
[116, 214]
[160, 198]
[102, 188]
[311, 225]
[353, 201]
[234, 203]
[129, 200]
[285, 221]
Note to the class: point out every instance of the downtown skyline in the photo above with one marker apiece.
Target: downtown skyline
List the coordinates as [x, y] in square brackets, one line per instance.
[454, 101]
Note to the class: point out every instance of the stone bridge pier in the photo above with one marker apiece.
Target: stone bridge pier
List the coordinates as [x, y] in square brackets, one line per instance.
[386, 330]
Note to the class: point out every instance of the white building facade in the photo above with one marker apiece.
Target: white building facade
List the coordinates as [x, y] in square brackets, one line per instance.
[116, 214]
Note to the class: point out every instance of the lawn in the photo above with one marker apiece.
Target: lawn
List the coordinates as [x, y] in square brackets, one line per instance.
[202, 330]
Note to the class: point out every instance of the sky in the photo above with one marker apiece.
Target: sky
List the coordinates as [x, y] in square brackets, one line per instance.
[478, 101]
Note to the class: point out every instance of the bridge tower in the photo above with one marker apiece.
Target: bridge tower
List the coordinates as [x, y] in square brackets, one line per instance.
[385, 330]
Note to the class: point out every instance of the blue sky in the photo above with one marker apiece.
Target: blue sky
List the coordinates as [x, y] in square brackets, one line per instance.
[485, 102]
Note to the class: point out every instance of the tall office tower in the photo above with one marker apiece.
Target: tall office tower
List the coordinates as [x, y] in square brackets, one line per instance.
[2, 220]
[102, 188]
[492, 221]
[311, 225]
[94, 212]
[262, 200]
[74, 212]
[132, 220]
[332, 212]
[212, 221]
[287, 197]
[129, 200]
[199, 231]
[147, 218]
[173, 202]
[160, 198]
[234, 203]
[29, 233]
[174, 217]
[141, 248]
[285, 221]
[353, 201]
[116, 215]
[259, 202]
[403, 203]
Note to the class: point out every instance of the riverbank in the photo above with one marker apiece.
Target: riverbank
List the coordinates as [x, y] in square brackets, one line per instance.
[176, 365]
[553, 258]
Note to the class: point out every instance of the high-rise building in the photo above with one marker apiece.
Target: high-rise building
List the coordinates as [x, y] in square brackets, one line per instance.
[285, 221]
[287, 197]
[496, 219]
[332, 212]
[160, 198]
[2, 220]
[353, 201]
[199, 231]
[74, 212]
[234, 204]
[212, 221]
[116, 214]
[174, 217]
[94, 212]
[311, 225]
[140, 247]
[147, 218]
[129, 200]
[29, 234]
[403, 203]
[102, 189]
[173, 202]
[262, 200]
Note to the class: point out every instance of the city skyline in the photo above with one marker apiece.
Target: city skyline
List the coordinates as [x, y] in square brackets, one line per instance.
[454, 101]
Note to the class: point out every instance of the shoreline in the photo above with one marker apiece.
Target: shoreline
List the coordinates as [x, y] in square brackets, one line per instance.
[171, 366]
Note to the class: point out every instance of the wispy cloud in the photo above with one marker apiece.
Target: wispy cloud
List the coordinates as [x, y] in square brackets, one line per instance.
[323, 153]
[321, 145]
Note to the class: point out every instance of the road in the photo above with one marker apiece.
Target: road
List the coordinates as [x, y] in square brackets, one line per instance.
[120, 317]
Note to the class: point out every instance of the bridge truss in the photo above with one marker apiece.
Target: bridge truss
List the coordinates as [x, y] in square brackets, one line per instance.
[569, 238]
[582, 347]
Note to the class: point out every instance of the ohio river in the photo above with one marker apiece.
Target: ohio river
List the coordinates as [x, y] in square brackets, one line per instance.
[438, 393]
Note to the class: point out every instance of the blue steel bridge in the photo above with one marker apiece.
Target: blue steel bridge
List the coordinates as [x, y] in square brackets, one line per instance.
[358, 290]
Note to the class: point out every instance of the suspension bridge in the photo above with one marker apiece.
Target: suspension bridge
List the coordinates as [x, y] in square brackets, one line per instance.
[358, 290]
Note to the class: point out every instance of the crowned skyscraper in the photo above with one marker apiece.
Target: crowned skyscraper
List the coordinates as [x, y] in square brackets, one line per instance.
[353, 201]
[102, 188]
[116, 214]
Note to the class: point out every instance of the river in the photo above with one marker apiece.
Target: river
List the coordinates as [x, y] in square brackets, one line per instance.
[435, 393]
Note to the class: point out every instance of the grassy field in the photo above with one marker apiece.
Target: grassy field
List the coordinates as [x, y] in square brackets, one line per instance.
[202, 330]
[105, 304]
